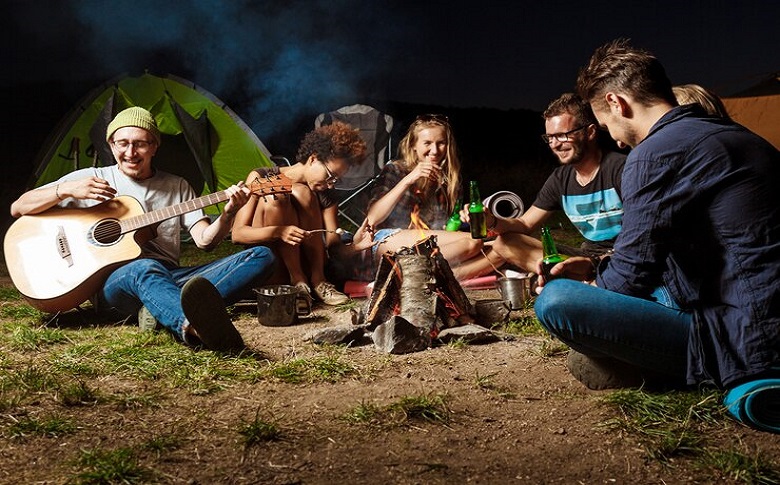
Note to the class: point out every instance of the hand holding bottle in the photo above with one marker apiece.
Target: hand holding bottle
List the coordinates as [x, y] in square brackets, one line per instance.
[477, 220]
[577, 268]
[550, 256]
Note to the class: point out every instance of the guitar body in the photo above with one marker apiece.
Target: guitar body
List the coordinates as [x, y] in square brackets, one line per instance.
[55, 278]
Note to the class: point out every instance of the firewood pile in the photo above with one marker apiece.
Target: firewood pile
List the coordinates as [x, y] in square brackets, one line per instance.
[414, 300]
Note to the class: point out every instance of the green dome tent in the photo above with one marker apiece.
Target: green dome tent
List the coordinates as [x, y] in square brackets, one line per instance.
[203, 140]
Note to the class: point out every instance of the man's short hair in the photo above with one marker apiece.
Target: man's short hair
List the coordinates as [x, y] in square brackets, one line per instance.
[570, 103]
[619, 67]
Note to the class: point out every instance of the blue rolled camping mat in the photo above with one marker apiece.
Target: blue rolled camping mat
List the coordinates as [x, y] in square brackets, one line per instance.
[756, 404]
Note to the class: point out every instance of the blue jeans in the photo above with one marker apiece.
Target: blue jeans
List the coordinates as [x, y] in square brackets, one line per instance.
[601, 323]
[149, 283]
[383, 234]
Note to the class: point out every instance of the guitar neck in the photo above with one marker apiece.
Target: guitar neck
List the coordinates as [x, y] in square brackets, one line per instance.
[159, 215]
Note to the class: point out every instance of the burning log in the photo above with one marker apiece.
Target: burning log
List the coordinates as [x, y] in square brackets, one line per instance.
[415, 295]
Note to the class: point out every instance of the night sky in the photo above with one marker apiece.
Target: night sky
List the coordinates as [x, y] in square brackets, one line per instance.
[275, 61]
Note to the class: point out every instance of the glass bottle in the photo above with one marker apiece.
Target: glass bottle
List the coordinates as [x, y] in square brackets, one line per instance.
[550, 256]
[453, 223]
[477, 220]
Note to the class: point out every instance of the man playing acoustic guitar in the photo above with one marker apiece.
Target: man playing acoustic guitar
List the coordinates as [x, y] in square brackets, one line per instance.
[188, 301]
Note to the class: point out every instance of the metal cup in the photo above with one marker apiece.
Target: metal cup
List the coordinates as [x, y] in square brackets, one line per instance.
[280, 305]
[515, 291]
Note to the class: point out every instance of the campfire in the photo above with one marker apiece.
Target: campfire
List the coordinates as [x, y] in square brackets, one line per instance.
[415, 296]
[415, 300]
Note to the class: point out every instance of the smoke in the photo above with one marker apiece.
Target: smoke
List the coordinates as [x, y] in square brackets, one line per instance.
[271, 61]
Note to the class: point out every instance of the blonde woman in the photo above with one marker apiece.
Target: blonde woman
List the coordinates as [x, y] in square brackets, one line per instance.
[425, 181]
[693, 93]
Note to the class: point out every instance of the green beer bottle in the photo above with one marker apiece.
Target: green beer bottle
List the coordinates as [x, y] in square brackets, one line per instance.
[477, 219]
[550, 256]
[453, 223]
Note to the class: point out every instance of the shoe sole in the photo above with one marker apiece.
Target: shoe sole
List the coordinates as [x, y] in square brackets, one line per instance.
[205, 310]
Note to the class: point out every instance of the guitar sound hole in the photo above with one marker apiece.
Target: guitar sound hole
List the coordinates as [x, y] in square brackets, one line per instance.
[106, 232]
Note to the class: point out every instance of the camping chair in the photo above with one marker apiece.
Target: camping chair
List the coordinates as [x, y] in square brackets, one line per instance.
[375, 129]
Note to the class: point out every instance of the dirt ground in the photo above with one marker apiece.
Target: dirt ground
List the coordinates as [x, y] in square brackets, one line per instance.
[533, 424]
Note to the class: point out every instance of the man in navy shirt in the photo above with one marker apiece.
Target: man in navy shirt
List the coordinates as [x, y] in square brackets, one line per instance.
[701, 218]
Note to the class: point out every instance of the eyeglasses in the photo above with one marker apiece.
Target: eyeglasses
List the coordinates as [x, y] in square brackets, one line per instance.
[140, 146]
[434, 117]
[561, 137]
[332, 179]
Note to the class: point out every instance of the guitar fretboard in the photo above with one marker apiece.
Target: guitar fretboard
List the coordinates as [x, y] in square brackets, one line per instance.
[155, 216]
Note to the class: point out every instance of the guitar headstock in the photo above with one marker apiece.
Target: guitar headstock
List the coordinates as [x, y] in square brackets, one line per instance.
[272, 185]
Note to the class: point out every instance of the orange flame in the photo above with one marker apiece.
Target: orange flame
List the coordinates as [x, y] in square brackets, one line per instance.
[417, 223]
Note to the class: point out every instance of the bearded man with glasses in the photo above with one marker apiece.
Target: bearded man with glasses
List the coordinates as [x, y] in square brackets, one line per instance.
[587, 187]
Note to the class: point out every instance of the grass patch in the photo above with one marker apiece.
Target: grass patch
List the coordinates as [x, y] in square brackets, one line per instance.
[430, 408]
[350, 305]
[526, 325]
[162, 443]
[109, 466]
[21, 336]
[78, 394]
[323, 368]
[363, 413]
[677, 424]
[51, 426]
[553, 348]
[486, 383]
[739, 467]
[21, 312]
[9, 293]
[458, 343]
[129, 400]
[32, 379]
[152, 356]
[259, 431]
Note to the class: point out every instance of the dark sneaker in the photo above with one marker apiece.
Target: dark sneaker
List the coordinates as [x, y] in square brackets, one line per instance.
[147, 322]
[205, 310]
[329, 295]
[602, 373]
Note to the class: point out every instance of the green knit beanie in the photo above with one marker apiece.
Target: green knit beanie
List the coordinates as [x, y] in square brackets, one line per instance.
[135, 116]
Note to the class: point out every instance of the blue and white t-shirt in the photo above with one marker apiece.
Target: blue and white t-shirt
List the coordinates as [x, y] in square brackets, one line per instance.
[596, 209]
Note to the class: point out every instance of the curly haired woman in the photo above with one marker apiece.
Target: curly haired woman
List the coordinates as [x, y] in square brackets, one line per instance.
[286, 224]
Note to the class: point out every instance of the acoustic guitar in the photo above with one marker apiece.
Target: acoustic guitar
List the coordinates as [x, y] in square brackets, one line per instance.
[61, 257]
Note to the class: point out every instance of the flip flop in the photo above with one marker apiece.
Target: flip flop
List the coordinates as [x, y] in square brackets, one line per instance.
[756, 404]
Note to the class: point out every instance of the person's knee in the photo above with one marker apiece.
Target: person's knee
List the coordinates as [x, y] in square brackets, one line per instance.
[555, 304]
[262, 257]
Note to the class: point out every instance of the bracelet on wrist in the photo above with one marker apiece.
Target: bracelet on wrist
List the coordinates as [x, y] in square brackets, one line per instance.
[57, 191]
